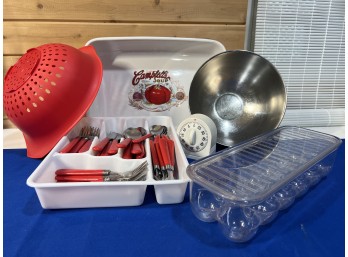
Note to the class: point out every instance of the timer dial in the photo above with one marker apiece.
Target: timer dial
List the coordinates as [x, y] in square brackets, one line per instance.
[197, 136]
[193, 136]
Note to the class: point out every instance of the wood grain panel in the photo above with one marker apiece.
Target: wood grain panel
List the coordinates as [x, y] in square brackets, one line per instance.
[7, 123]
[201, 11]
[20, 36]
[8, 61]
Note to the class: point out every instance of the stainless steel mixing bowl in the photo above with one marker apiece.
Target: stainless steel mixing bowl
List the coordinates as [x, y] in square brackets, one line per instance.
[242, 92]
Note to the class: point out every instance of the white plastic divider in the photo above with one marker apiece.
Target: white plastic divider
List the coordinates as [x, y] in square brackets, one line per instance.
[53, 195]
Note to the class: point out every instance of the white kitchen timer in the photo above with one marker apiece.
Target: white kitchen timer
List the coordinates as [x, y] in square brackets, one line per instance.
[197, 135]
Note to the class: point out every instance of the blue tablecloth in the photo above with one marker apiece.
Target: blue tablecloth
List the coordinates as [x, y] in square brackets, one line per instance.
[313, 226]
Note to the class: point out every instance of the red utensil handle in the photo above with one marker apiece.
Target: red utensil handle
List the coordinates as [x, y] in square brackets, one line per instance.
[171, 147]
[159, 155]
[143, 152]
[154, 156]
[164, 151]
[100, 146]
[86, 178]
[113, 149]
[141, 139]
[86, 146]
[136, 148]
[79, 172]
[127, 152]
[104, 152]
[124, 143]
[143, 155]
[78, 146]
[69, 146]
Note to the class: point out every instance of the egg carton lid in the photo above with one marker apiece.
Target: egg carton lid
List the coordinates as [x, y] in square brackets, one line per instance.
[148, 76]
[254, 170]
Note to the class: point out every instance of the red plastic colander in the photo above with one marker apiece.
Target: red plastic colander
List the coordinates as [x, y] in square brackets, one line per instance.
[48, 91]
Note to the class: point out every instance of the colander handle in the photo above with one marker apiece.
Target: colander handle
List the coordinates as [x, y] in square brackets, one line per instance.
[90, 50]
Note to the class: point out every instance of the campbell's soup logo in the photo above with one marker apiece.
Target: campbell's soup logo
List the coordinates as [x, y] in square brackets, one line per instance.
[155, 91]
[156, 76]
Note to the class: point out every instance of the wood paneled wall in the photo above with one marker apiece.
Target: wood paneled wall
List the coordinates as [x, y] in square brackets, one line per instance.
[30, 23]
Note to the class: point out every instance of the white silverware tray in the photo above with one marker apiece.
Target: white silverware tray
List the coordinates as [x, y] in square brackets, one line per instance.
[54, 195]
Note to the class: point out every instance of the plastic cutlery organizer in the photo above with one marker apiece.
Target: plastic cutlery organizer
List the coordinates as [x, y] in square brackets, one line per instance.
[53, 195]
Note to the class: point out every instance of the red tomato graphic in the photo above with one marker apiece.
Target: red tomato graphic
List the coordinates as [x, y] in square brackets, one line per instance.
[157, 94]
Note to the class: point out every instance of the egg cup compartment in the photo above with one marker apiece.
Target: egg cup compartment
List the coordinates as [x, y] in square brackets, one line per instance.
[53, 195]
[246, 186]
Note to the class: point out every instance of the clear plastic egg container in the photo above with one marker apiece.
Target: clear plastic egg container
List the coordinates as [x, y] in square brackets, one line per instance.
[54, 195]
[246, 186]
